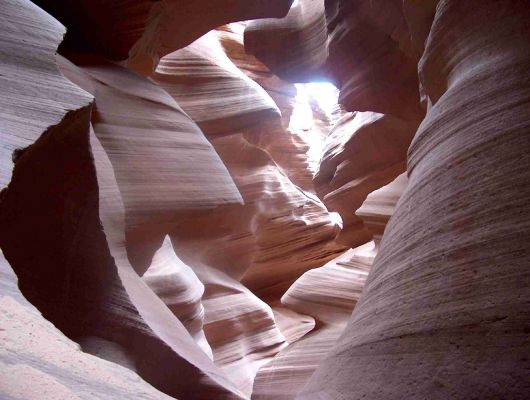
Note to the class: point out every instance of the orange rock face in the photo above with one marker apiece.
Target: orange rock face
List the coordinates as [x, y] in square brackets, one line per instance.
[185, 213]
[444, 311]
[36, 352]
[365, 48]
[142, 32]
[363, 152]
[328, 294]
[68, 248]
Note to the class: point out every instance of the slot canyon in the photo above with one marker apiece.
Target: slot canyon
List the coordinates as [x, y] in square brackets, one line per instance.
[265, 199]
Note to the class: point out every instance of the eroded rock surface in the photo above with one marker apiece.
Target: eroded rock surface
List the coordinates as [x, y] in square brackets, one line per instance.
[142, 32]
[363, 152]
[370, 51]
[172, 185]
[443, 312]
[328, 294]
[33, 350]
[63, 227]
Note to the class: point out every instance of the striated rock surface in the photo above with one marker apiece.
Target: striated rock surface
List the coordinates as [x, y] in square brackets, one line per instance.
[63, 212]
[171, 203]
[328, 294]
[37, 361]
[236, 249]
[172, 24]
[379, 206]
[278, 234]
[291, 231]
[365, 48]
[240, 327]
[293, 325]
[163, 164]
[370, 58]
[177, 285]
[212, 90]
[280, 227]
[295, 47]
[34, 94]
[444, 312]
[144, 31]
[290, 140]
[363, 152]
[362, 46]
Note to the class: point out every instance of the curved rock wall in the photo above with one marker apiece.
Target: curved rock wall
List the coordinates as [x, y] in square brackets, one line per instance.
[164, 205]
[130, 167]
[328, 294]
[63, 227]
[34, 351]
[164, 165]
[142, 32]
[363, 152]
[365, 48]
[444, 313]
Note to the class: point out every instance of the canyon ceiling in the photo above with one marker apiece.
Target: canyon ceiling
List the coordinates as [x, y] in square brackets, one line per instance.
[182, 216]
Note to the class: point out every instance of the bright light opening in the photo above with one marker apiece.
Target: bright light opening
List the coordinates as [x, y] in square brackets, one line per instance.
[320, 97]
[336, 218]
[238, 27]
[325, 94]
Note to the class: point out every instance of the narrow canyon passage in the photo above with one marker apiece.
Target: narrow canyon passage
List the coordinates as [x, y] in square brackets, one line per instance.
[281, 200]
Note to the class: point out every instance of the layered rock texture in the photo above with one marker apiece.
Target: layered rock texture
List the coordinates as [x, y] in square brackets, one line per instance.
[365, 48]
[37, 361]
[328, 294]
[185, 213]
[444, 313]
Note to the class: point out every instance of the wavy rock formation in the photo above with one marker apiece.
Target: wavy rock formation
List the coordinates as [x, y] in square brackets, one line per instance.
[239, 332]
[363, 152]
[163, 164]
[212, 90]
[379, 206]
[444, 312]
[34, 351]
[369, 61]
[35, 95]
[328, 294]
[232, 245]
[362, 46]
[280, 226]
[293, 325]
[292, 232]
[288, 143]
[278, 234]
[172, 25]
[144, 31]
[180, 289]
[295, 47]
[365, 48]
[172, 179]
[63, 211]
[240, 328]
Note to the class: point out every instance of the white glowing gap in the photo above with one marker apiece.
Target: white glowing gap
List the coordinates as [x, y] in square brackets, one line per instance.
[323, 96]
[336, 218]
